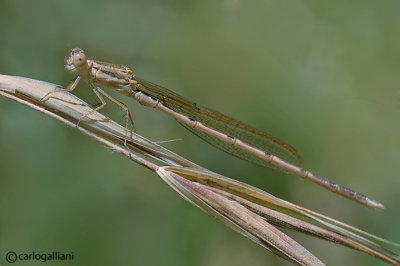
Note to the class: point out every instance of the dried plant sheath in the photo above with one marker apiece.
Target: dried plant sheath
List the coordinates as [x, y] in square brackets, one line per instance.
[246, 209]
[72, 108]
[288, 215]
[241, 219]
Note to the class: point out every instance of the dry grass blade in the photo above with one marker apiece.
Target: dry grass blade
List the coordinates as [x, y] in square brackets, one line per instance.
[285, 214]
[239, 218]
[70, 108]
[289, 215]
[248, 210]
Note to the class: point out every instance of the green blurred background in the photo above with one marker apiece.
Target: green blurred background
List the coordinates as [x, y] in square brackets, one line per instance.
[323, 76]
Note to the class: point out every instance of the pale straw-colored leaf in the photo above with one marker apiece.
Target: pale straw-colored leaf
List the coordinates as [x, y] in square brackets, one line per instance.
[248, 210]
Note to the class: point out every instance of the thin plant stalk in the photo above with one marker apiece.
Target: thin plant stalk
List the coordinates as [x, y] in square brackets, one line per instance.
[246, 209]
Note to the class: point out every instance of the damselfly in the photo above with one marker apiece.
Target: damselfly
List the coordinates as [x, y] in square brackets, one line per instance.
[225, 133]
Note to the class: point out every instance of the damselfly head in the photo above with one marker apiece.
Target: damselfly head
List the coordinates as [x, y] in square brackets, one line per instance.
[76, 60]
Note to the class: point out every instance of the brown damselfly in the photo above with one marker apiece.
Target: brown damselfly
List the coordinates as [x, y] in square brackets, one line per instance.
[223, 132]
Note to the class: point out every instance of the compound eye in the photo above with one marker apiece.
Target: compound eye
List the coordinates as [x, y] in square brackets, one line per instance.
[79, 58]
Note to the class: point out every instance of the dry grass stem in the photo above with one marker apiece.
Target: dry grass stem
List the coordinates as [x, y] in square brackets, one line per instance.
[246, 209]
